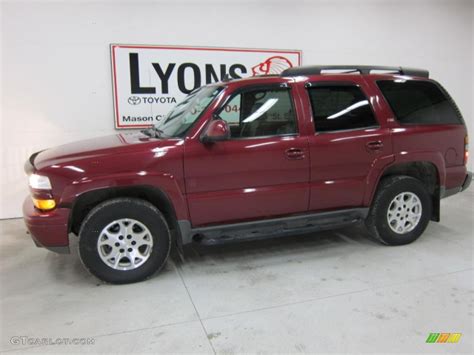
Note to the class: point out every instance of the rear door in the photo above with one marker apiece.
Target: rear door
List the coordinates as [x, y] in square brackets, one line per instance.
[348, 145]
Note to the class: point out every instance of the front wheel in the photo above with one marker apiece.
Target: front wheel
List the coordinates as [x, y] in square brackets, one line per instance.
[124, 240]
[401, 210]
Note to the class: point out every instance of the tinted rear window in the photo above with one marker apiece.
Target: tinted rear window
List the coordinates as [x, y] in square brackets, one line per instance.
[338, 108]
[419, 102]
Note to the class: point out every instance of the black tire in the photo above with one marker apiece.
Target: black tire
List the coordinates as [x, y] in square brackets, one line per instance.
[124, 208]
[377, 221]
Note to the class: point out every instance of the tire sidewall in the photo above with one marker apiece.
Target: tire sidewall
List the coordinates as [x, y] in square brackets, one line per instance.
[115, 209]
[386, 233]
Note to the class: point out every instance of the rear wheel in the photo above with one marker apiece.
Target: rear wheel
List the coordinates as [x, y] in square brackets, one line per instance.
[124, 240]
[401, 210]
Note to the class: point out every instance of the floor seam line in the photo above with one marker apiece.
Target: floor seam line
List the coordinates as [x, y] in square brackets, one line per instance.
[333, 296]
[178, 268]
[143, 329]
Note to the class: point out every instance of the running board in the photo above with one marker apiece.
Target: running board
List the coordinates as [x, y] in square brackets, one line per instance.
[270, 228]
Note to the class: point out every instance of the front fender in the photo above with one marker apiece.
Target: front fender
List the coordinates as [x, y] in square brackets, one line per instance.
[165, 182]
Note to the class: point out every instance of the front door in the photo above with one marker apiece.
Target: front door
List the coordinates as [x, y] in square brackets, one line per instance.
[261, 172]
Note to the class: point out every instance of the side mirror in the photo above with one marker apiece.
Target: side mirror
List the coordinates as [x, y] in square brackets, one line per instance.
[216, 130]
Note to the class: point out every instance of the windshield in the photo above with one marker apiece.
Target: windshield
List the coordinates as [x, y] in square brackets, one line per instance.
[184, 114]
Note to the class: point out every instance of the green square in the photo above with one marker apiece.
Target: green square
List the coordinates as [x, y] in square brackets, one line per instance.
[432, 338]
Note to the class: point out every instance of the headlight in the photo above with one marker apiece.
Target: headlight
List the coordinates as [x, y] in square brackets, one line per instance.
[39, 182]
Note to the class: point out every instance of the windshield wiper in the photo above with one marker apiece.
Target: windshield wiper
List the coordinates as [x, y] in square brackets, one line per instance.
[153, 132]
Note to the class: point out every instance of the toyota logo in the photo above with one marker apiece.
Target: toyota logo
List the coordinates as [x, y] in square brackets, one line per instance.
[134, 100]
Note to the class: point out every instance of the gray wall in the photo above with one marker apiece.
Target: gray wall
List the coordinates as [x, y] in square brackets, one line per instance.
[56, 82]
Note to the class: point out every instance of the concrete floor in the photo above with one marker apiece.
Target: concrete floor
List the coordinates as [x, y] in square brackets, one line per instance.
[332, 292]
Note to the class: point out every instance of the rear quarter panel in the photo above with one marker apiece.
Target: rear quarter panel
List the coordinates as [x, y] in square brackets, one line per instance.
[442, 145]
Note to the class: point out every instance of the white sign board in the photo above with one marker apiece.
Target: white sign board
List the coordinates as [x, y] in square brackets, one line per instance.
[150, 80]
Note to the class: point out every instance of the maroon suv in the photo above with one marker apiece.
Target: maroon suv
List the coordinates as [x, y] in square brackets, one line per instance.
[313, 148]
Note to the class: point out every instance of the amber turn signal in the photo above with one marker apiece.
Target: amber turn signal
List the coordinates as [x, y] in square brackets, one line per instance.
[44, 205]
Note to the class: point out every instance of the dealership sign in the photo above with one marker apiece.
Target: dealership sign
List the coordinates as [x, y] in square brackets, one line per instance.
[150, 80]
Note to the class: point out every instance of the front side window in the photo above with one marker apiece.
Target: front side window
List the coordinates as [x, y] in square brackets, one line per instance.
[419, 102]
[260, 112]
[184, 114]
[340, 107]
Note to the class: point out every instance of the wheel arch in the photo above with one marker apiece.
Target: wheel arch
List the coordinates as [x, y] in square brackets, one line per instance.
[86, 201]
[425, 171]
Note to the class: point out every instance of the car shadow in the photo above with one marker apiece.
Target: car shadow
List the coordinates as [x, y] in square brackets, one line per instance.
[293, 246]
[68, 268]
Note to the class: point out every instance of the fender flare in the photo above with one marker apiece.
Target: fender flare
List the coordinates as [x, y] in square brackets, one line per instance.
[434, 158]
[165, 183]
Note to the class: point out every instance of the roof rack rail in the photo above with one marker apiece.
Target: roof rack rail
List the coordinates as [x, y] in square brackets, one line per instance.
[362, 69]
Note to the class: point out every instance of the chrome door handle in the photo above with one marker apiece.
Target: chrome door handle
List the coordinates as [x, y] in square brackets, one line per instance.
[374, 145]
[294, 153]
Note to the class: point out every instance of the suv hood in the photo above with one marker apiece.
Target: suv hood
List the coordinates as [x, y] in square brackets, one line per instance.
[91, 148]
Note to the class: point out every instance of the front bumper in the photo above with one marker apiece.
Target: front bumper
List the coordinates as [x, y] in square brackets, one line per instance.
[47, 229]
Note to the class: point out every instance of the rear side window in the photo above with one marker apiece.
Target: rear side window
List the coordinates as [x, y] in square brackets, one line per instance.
[419, 102]
[340, 107]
